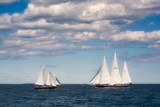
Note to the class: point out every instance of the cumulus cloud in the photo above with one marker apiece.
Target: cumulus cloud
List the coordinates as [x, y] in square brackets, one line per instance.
[78, 37]
[87, 10]
[140, 36]
[137, 36]
[35, 39]
[28, 32]
[46, 26]
[80, 15]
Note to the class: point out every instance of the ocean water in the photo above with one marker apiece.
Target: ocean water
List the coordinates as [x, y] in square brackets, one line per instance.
[80, 96]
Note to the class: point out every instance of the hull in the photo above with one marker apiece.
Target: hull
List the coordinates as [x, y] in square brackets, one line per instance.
[44, 87]
[112, 86]
[101, 86]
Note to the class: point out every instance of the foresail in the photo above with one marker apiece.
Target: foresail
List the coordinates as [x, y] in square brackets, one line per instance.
[102, 76]
[57, 81]
[53, 81]
[115, 76]
[125, 75]
[41, 78]
[95, 79]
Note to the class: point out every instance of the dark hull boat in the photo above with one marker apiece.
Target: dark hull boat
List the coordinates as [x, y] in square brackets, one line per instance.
[44, 87]
[51, 82]
[101, 86]
[112, 86]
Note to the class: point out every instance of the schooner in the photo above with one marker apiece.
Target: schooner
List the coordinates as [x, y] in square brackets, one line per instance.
[105, 79]
[51, 83]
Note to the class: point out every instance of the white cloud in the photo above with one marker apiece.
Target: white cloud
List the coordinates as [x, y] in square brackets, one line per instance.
[94, 46]
[143, 4]
[6, 1]
[88, 10]
[78, 37]
[91, 15]
[128, 36]
[29, 32]
[98, 10]
[63, 10]
[8, 23]
[140, 36]
[32, 40]
[53, 25]
[137, 36]
[101, 11]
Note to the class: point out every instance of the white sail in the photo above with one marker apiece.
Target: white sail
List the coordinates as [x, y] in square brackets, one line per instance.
[41, 78]
[125, 75]
[53, 81]
[102, 76]
[115, 76]
[95, 79]
[56, 79]
[49, 82]
[104, 73]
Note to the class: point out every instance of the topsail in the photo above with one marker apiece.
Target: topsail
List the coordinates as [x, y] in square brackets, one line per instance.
[41, 78]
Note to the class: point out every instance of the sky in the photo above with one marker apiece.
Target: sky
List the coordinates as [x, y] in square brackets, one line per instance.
[70, 37]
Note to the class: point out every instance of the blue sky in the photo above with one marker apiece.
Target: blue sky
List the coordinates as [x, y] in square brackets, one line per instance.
[71, 37]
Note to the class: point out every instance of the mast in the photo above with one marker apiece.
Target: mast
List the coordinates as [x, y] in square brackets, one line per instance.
[102, 76]
[115, 76]
[41, 77]
[125, 74]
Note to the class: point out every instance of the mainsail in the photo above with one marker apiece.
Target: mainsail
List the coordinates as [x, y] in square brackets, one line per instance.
[115, 76]
[125, 75]
[102, 76]
[41, 78]
[50, 80]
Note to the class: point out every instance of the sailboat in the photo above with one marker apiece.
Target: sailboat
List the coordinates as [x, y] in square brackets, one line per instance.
[51, 82]
[105, 79]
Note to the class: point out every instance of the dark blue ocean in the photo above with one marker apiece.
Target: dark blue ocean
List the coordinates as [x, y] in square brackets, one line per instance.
[80, 96]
